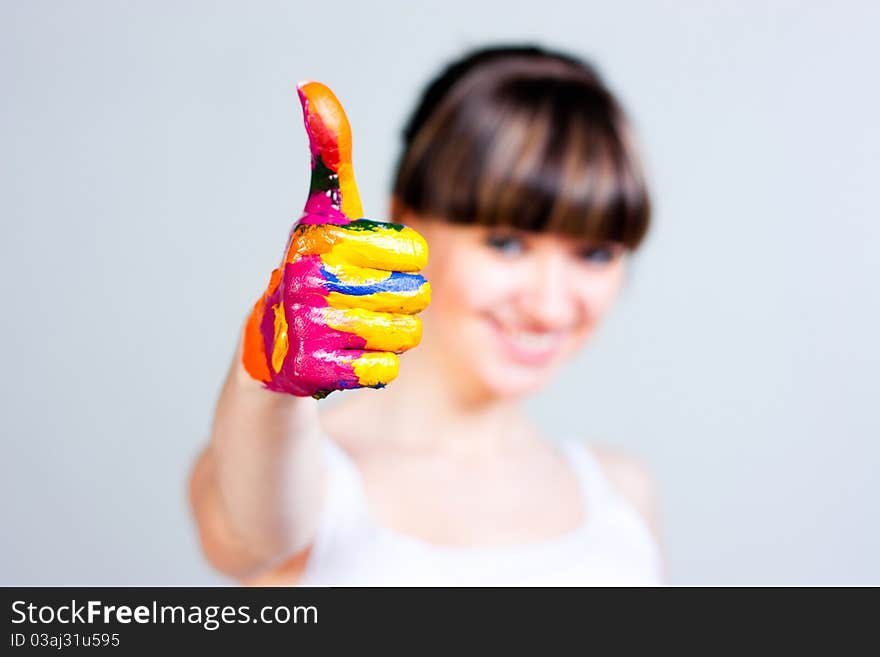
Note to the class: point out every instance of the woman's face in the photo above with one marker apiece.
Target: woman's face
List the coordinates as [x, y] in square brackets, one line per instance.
[508, 306]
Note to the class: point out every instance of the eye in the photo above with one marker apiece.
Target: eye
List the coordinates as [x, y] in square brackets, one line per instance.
[506, 244]
[600, 254]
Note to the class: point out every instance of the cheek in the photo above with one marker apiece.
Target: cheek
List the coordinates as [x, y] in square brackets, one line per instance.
[596, 292]
[468, 285]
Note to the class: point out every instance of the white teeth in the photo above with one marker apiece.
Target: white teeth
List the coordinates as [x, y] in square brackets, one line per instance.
[533, 341]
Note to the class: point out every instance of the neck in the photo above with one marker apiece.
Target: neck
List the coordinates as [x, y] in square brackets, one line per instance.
[428, 407]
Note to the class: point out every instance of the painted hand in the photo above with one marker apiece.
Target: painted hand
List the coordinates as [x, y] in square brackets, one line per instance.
[342, 304]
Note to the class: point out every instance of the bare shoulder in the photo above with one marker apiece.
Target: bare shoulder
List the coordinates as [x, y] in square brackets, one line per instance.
[630, 473]
[632, 476]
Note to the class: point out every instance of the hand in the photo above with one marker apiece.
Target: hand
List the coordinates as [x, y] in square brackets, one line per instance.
[342, 304]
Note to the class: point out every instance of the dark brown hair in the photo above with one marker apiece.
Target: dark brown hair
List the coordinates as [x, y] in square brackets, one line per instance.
[528, 138]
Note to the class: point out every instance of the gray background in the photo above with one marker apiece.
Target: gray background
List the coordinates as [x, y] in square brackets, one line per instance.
[153, 158]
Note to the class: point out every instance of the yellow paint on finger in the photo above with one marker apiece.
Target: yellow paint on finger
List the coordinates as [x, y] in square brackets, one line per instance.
[281, 345]
[388, 249]
[407, 303]
[375, 367]
[351, 199]
[381, 331]
[350, 274]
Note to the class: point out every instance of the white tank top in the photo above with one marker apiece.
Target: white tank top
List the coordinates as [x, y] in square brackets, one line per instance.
[612, 547]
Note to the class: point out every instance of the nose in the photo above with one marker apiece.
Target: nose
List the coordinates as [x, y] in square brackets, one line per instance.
[548, 300]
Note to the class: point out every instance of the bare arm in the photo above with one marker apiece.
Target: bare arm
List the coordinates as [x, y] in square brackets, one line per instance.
[255, 490]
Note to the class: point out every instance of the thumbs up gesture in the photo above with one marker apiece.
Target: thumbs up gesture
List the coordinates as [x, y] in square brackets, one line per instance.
[342, 303]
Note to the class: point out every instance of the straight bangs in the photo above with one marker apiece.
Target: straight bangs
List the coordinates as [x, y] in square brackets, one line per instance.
[534, 153]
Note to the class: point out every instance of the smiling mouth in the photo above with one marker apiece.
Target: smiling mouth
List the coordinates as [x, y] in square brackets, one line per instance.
[528, 347]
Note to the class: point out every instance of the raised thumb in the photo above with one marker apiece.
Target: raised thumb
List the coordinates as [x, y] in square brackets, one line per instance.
[332, 183]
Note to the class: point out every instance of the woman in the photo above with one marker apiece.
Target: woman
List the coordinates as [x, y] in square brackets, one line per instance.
[519, 172]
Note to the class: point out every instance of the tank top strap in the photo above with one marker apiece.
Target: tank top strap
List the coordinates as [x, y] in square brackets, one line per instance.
[607, 502]
[586, 466]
